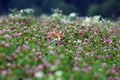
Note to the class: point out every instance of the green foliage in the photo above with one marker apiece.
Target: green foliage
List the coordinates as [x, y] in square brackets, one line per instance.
[110, 8]
[93, 10]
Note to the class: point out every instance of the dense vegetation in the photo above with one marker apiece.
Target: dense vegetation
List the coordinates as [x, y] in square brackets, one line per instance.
[58, 47]
[106, 8]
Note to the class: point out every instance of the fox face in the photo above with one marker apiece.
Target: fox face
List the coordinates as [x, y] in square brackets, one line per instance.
[58, 35]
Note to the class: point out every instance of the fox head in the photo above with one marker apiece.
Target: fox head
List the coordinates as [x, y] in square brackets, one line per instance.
[58, 35]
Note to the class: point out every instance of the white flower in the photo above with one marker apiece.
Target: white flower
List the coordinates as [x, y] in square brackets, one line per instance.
[96, 19]
[72, 15]
[77, 41]
[39, 74]
[86, 22]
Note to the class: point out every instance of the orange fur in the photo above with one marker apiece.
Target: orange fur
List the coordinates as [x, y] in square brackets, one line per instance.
[57, 35]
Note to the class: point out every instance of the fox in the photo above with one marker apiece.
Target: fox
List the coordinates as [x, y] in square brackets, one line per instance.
[58, 35]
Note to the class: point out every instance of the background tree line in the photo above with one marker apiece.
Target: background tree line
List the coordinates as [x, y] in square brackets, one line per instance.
[106, 8]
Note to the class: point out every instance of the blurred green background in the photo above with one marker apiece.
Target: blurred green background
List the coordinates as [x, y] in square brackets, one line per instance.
[106, 8]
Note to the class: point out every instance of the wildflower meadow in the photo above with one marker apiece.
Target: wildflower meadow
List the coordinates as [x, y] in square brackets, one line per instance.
[58, 47]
